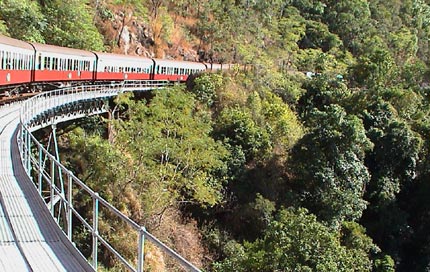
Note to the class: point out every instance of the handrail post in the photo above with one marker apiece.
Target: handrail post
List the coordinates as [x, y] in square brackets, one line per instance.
[141, 250]
[52, 185]
[69, 206]
[95, 228]
[24, 147]
[28, 141]
[39, 185]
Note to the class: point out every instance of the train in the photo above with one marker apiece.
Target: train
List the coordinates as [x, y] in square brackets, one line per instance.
[32, 64]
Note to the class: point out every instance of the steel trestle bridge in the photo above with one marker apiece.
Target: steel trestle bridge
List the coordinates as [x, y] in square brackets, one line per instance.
[37, 193]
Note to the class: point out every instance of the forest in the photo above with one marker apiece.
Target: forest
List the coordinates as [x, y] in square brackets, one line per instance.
[310, 154]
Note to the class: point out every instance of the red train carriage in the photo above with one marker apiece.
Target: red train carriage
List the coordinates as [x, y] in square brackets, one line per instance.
[54, 63]
[176, 70]
[123, 67]
[16, 61]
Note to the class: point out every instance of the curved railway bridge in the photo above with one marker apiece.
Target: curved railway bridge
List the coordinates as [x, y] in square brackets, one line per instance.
[37, 193]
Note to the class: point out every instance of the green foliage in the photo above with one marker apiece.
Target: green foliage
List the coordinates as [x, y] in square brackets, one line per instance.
[318, 36]
[206, 87]
[328, 163]
[322, 91]
[375, 67]
[393, 160]
[351, 21]
[3, 28]
[384, 264]
[238, 128]
[296, 241]
[171, 140]
[62, 25]
[23, 19]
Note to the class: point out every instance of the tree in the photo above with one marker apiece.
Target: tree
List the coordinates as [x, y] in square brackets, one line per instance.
[23, 19]
[62, 25]
[296, 241]
[171, 141]
[328, 165]
[206, 87]
[350, 20]
[375, 67]
[394, 158]
[237, 127]
[3, 28]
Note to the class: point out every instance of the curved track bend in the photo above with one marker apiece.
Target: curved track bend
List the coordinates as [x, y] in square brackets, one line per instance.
[30, 239]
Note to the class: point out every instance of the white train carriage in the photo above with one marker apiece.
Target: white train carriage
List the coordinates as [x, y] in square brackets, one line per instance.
[176, 70]
[123, 67]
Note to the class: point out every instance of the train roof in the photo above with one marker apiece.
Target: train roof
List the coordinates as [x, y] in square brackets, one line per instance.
[14, 42]
[187, 64]
[111, 56]
[62, 50]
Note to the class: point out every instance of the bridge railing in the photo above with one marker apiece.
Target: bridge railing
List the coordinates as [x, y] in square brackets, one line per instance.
[59, 187]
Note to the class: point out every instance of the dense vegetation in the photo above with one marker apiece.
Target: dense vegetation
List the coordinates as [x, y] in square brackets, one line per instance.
[267, 169]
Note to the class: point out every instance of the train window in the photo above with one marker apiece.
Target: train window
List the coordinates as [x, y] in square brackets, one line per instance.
[15, 61]
[2, 60]
[26, 60]
[9, 60]
[176, 71]
[54, 63]
[163, 70]
[19, 62]
[39, 62]
[47, 63]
